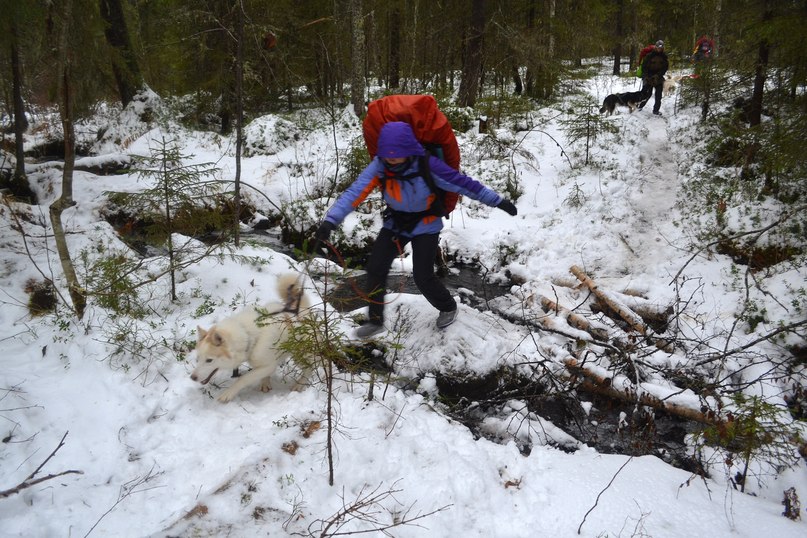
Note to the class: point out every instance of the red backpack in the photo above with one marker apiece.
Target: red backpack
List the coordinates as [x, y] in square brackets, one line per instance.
[645, 51]
[431, 128]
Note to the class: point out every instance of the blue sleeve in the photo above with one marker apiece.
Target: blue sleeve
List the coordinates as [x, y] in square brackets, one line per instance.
[354, 194]
[449, 179]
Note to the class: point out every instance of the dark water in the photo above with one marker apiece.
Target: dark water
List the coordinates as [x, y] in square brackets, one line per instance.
[462, 280]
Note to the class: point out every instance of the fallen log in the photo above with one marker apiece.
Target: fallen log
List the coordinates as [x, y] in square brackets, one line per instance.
[598, 384]
[544, 323]
[564, 281]
[575, 320]
[652, 314]
[632, 318]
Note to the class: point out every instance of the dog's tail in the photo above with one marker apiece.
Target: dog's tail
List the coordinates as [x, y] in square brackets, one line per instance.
[292, 292]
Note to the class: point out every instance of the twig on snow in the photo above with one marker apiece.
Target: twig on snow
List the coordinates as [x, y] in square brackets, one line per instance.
[31, 481]
[597, 500]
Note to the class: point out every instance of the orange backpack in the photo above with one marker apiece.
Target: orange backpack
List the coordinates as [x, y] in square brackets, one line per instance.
[431, 128]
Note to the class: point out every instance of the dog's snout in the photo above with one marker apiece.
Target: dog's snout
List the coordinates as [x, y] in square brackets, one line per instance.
[195, 377]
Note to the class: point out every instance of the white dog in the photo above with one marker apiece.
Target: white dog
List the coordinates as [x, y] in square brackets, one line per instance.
[249, 337]
[671, 83]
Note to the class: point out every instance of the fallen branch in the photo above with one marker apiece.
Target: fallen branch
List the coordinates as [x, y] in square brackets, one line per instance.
[542, 323]
[31, 481]
[765, 338]
[126, 490]
[598, 384]
[758, 234]
[649, 311]
[631, 317]
[368, 508]
[575, 320]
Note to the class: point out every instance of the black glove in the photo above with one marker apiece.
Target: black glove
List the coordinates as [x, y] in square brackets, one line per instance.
[508, 207]
[324, 231]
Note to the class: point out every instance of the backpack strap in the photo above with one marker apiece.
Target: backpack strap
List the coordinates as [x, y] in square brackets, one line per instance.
[406, 221]
[438, 206]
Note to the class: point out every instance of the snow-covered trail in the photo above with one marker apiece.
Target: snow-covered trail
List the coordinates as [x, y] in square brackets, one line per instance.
[655, 193]
[652, 193]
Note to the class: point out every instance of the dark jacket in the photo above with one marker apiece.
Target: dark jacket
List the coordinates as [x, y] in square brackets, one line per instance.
[703, 49]
[655, 66]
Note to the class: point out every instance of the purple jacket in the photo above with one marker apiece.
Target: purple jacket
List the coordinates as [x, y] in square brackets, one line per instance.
[411, 195]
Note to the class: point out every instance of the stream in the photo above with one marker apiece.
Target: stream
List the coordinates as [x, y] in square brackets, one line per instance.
[611, 427]
[460, 279]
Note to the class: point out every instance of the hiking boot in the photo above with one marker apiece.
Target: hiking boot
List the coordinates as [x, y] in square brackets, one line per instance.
[447, 318]
[657, 113]
[369, 329]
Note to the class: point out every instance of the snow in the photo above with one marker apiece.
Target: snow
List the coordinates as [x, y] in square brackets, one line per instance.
[157, 455]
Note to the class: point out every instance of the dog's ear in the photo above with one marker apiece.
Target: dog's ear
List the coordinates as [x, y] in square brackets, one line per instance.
[216, 337]
[200, 334]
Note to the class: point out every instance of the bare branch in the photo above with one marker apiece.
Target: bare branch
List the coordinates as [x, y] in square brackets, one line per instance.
[30, 481]
[126, 490]
[366, 508]
[597, 500]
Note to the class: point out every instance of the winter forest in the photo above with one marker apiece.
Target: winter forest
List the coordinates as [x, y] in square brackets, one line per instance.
[629, 358]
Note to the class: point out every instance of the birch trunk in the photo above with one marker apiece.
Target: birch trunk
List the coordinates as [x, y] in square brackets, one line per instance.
[599, 384]
[66, 201]
[632, 318]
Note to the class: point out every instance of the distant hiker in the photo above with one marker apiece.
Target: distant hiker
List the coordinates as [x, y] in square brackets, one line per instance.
[654, 67]
[703, 49]
[398, 170]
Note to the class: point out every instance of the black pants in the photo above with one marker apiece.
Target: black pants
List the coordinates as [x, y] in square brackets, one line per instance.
[386, 248]
[657, 103]
[648, 88]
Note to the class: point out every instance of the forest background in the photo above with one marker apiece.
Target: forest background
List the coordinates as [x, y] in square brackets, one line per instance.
[225, 63]
[252, 57]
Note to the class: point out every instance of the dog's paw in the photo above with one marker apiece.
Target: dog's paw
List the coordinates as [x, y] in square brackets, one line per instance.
[227, 396]
[266, 386]
[299, 386]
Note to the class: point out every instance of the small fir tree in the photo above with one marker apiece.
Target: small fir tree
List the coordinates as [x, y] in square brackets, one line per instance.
[587, 126]
[179, 200]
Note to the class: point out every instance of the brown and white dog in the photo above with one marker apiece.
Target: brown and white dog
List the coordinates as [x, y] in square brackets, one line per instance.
[254, 336]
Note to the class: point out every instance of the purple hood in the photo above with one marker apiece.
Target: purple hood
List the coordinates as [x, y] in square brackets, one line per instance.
[396, 139]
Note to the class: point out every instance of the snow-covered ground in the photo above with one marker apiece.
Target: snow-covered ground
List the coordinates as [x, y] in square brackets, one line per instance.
[157, 455]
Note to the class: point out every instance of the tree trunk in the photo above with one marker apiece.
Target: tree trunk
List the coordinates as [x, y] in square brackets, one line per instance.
[19, 182]
[394, 67]
[716, 27]
[357, 57]
[634, 30]
[519, 85]
[551, 29]
[761, 74]
[239, 119]
[472, 67]
[530, 74]
[618, 38]
[124, 67]
[66, 201]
